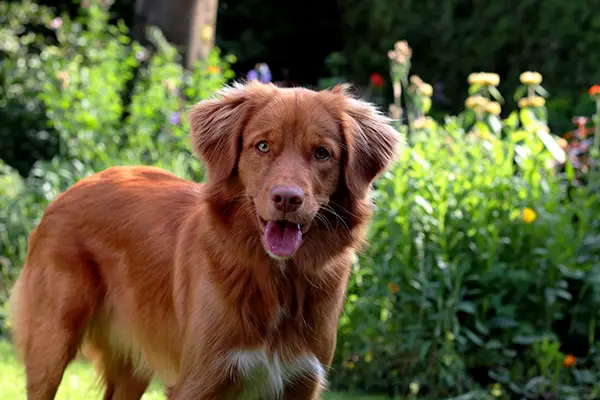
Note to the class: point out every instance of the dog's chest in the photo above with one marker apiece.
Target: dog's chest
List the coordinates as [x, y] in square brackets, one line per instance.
[265, 376]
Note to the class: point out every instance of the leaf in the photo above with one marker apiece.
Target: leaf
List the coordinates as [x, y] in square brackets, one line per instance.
[503, 322]
[528, 118]
[495, 124]
[512, 121]
[495, 93]
[473, 337]
[466, 306]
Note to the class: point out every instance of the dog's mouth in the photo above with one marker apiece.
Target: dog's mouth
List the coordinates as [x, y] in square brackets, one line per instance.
[282, 238]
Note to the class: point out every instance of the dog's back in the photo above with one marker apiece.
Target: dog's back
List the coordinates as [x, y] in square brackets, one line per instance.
[76, 285]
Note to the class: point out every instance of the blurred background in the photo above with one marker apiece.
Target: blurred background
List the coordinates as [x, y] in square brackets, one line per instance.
[482, 279]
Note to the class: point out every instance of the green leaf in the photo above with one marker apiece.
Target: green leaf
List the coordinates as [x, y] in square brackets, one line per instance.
[512, 121]
[528, 118]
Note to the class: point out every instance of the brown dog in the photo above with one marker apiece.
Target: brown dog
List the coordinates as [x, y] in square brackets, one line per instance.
[230, 289]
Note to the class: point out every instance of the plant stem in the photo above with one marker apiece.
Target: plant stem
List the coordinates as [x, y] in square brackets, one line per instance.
[597, 128]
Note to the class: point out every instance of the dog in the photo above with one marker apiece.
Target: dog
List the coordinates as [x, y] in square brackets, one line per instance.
[228, 289]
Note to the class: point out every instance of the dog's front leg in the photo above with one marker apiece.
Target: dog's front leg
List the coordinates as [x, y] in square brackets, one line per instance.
[202, 386]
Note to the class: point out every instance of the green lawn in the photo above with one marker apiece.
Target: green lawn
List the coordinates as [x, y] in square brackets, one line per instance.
[79, 382]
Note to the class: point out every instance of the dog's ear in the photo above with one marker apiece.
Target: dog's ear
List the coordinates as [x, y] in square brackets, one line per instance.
[217, 126]
[371, 144]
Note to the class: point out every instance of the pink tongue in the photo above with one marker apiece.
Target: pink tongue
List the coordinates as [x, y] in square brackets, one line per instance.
[282, 238]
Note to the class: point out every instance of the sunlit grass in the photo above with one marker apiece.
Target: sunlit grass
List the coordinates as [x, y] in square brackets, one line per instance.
[79, 382]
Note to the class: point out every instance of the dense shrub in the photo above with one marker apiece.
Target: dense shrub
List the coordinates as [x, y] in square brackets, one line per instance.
[80, 82]
[483, 273]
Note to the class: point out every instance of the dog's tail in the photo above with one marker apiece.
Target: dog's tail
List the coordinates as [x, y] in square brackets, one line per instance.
[17, 316]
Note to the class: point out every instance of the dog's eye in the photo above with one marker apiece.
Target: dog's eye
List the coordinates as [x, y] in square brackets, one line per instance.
[321, 153]
[263, 146]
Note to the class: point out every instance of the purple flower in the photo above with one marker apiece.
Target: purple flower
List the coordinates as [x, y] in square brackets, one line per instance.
[251, 75]
[265, 73]
[174, 118]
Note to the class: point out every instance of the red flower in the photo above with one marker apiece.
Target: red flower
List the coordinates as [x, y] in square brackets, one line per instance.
[376, 80]
[594, 90]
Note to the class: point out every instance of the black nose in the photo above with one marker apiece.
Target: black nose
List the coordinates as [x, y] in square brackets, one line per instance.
[287, 198]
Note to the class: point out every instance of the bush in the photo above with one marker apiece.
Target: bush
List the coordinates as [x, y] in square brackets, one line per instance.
[110, 102]
[483, 272]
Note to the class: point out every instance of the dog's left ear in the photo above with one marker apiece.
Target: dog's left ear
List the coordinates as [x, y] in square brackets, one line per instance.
[372, 144]
[217, 126]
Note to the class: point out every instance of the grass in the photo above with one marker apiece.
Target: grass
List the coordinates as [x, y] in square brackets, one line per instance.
[79, 382]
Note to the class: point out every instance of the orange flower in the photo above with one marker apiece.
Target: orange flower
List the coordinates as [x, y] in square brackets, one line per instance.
[569, 361]
[393, 287]
[594, 90]
[213, 69]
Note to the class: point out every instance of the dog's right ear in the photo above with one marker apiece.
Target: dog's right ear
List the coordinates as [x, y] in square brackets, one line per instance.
[217, 126]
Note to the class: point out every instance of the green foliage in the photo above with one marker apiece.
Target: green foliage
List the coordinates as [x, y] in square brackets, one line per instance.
[477, 259]
[108, 100]
[24, 133]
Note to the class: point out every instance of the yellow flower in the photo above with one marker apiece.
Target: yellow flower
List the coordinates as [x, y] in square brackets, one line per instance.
[426, 89]
[493, 107]
[476, 102]
[530, 78]
[484, 79]
[393, 287]
[416, 80]
[476, 78]
[529, 215]
[524, 102]
[537, 101]
[492, 79]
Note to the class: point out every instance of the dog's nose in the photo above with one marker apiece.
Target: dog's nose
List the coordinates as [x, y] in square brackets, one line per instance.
[287, 198]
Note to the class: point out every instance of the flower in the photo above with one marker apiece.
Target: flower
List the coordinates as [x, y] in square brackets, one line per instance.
[264, 72]
[416, 80]
[529, 215]
[562, 143]
[594, 90]
[537, 101]
[532, 101]
[141, 55]
[530, 78]
[174, 119]
[252, 75]
[484, 79]
[395, 111]
[393, 287]
[426, 89]
[56, 23]
[493, 107]
[260, 72]
[476, 102]
[376, 80]
[212, 69]
[401, 53]
[569, 361]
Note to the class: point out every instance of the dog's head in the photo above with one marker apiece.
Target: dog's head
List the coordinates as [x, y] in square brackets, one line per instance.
[291, 151]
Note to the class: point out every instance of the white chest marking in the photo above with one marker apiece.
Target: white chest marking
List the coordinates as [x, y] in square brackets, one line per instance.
[265, 376]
